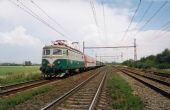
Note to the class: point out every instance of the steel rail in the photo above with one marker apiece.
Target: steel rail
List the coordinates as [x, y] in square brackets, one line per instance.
[158, 73]
[153, 79]
[94, 101]
[162, 74]
[158, 90]
[18, 84]
[11, 89]
[48, 106]
[22, 88]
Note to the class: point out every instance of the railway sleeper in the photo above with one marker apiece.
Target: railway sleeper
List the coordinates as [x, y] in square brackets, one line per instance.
[75, 106]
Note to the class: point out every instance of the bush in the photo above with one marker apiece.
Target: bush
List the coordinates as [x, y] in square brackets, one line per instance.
[163, 66]
[161, 61]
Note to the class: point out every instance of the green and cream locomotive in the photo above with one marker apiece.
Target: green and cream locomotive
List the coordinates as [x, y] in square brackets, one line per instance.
[60, 59]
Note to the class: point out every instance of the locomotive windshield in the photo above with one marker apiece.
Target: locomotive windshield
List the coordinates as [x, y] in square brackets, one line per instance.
[46, 52]
[57, 52]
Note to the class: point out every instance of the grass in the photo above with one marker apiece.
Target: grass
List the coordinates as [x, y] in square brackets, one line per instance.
[17, 74]
[122, 94]
[8, 103]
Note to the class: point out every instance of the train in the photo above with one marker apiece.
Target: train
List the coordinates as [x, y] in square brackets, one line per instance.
[60, 59]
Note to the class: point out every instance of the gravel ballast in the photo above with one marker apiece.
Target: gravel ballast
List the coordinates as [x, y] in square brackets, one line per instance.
[152, 100]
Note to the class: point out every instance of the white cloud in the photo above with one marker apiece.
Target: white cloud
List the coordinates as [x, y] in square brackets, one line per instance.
[76, 17]
[18, 36]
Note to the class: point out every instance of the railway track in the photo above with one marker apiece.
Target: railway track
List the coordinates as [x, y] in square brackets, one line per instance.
[19, 84]
[149, 77]
[157, 86]
[152, 72]
[83, 96]
[12, 89]
[166, 75]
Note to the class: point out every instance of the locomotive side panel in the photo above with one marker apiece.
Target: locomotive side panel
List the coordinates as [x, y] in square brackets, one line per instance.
[75, 60]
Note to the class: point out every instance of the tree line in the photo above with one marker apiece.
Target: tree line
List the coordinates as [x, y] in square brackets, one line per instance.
[161, 61]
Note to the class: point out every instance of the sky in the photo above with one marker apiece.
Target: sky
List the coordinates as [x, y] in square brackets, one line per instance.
[23, 34]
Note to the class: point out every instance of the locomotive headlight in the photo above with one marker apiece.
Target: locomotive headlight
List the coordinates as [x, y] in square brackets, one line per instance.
[58, 62]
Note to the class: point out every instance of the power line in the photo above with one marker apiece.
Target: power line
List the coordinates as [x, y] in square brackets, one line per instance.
[104, 18]
[50, 17]
[165, 25]
[95, 16]
[30, 12]
[162, 28]
[163, 34]
[154, 15]
[146, 11]
[41, 19]
[131, 21]
[94, 12]
[144, 14]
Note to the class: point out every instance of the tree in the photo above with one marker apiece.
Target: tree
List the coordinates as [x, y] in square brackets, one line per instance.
[161, 60]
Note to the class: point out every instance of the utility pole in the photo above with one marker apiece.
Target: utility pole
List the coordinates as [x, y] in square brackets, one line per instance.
[135, 51]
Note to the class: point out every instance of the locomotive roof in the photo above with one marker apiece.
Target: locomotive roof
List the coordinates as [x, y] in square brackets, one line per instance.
[61, 46]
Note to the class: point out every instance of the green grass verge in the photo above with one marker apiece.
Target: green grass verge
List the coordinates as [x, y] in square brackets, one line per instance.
[17, 74]
[121, 94]
[8, 103]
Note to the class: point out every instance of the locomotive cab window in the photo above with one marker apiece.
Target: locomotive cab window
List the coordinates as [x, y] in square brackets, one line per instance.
[46, 52]
[57, 52]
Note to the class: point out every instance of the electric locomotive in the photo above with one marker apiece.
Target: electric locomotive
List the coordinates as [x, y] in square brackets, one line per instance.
[60, 59]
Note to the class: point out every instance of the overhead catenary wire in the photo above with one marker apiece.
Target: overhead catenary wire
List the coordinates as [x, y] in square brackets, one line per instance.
[42, 19]
[124, 35]
[104, 18]
[35, 4]
[162, 29]
[165, 25]
[95, 16]
[94, 12]
[30, 12]
[159, 9]
[165, 32]
[162, 35]
[146, 11]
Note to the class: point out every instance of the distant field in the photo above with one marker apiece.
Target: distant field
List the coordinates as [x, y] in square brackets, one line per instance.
[8, 70]
[17, 74]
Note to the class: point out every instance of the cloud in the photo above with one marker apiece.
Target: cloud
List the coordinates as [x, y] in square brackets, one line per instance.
[18, 36]
[77, 18]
